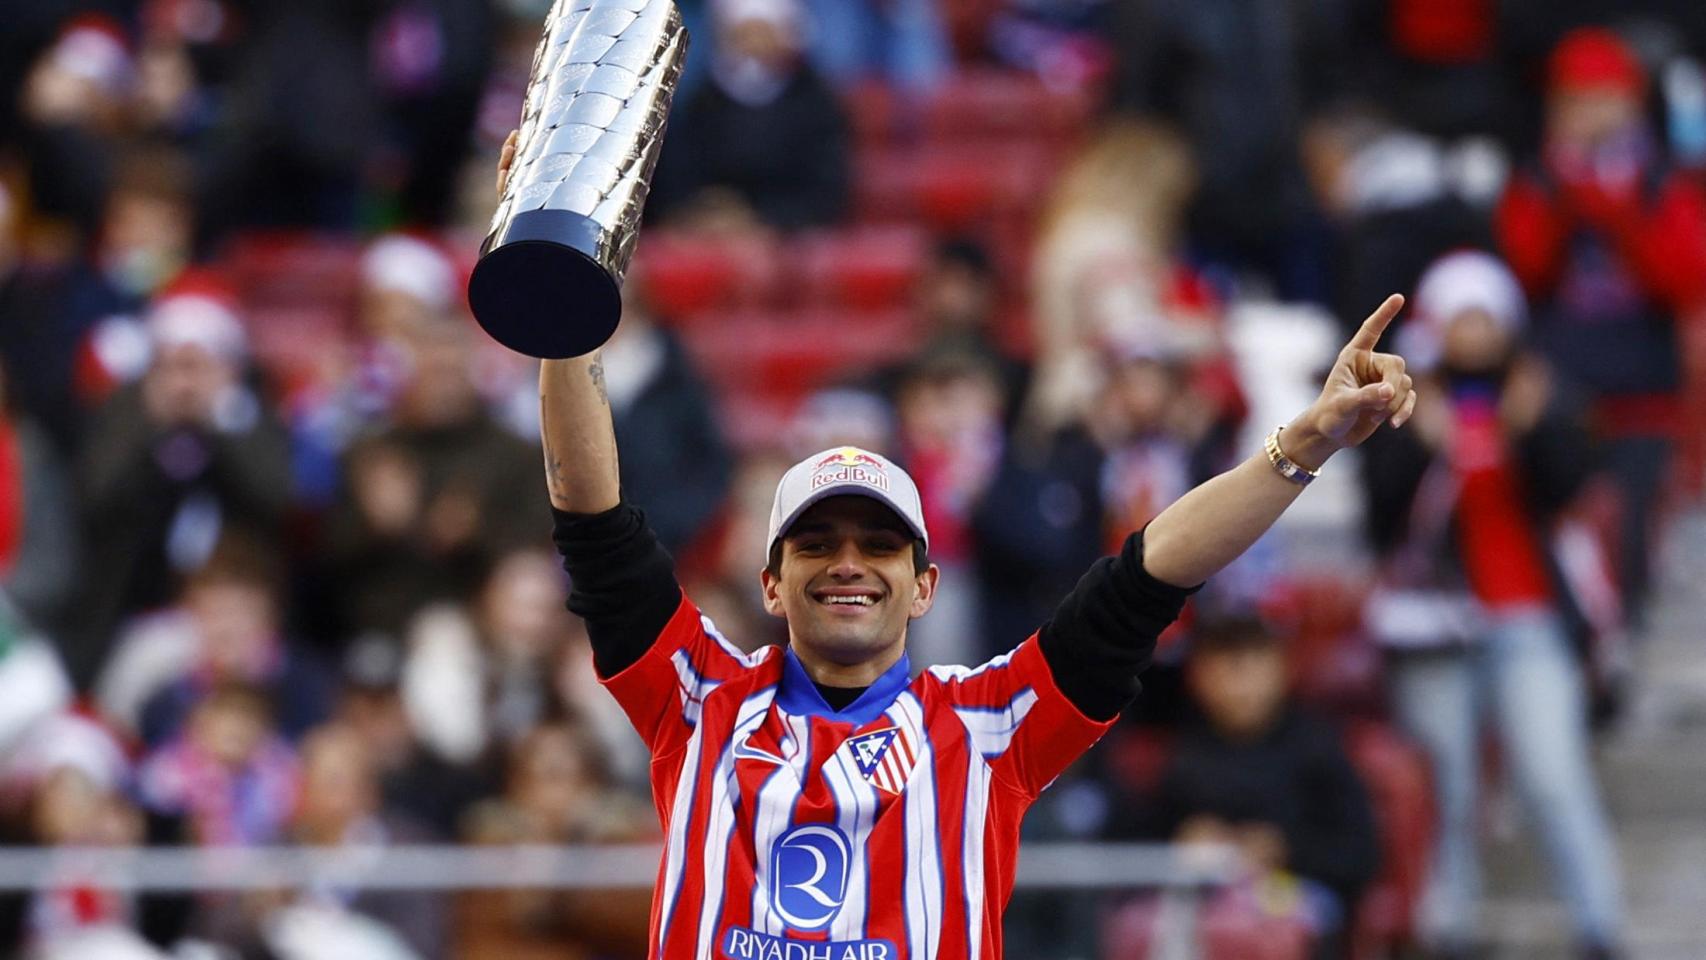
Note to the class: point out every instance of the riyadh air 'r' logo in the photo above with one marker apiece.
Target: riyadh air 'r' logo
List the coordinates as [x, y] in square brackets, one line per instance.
[808, 875]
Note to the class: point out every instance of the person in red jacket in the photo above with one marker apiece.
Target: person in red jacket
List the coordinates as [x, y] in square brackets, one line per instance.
[1610, 246]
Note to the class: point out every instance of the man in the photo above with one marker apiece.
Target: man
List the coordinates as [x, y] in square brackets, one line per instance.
[817, 802]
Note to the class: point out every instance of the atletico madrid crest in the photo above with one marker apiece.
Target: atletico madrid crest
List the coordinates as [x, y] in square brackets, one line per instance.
[884, 757]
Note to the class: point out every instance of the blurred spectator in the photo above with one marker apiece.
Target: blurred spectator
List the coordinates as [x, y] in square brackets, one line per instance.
[432, 499]
[74, 105]
[1445, 70]
[33, 684]
[1107, 270]
[66, 787]
[1038, 526]
[728, 592]
[407, 282]
[1155, 427]
[429, 62]
[38, 540]
[227, 628]
[189, 451]
[900, 41]
[1257, 773]
[294, 149]
[1461, 507]
[956, 300]
[341, 805]
[413, 781]
[1610, 245]
[949, 408]
[480, 680]
[675, 464]
[1235, 76]
[228, 773]
[765, 142]
[577, 687]
[558, 792]
[1065, 43]
[1397, 199]
[65, 322]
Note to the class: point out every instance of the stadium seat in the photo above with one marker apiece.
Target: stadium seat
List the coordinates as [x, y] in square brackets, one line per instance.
[685, 274]
[862, 268]
[1396, 775]
[953, 187]
[871, 108]
[298, 269]
[984, 104]
[786, 353]
[1333, 664]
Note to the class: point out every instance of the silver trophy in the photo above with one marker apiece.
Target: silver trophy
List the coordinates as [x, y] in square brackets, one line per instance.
[549, 279]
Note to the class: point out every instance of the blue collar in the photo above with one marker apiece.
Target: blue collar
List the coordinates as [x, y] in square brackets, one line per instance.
[798, 695]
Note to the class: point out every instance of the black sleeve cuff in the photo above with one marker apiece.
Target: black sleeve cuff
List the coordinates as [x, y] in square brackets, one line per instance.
[1102, 636]
[622, 582]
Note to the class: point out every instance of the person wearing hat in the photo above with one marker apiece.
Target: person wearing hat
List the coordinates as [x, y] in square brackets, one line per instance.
[1462, 508]
[1610, 246]
[172, 461]
[816, 798]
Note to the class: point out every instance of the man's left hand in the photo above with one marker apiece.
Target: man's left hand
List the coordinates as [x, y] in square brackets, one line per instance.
[1363, 390]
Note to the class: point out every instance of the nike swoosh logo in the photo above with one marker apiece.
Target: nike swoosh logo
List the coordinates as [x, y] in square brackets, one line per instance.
[744, 752]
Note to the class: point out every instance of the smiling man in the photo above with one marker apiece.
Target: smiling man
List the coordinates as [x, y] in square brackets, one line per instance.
[819, 802]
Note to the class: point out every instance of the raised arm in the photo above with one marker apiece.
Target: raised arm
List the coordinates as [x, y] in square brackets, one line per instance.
[1210, 526]
[574, 419]
[579, 440]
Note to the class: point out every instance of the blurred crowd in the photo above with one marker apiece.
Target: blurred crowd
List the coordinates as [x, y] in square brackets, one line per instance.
[274, 552]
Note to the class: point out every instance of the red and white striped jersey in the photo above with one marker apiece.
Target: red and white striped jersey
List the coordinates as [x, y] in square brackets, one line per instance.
[885, 830]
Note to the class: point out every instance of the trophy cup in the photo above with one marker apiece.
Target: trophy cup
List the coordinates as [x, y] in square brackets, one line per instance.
[549, 279]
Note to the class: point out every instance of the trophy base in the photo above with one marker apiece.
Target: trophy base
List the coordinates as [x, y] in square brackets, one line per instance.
[536, 291]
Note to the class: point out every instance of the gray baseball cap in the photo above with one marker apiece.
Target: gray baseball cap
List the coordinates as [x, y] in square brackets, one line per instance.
[843, 471]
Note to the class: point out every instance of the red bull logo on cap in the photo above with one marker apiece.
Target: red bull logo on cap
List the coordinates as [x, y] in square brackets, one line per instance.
[850, 465]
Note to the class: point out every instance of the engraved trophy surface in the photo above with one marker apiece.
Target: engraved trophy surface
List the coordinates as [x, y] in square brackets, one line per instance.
[549, 279]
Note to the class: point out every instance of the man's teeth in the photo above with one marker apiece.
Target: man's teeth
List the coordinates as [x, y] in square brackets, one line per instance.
[856, 601]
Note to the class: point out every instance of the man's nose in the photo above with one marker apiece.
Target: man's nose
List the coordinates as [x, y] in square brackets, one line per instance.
[848, 561]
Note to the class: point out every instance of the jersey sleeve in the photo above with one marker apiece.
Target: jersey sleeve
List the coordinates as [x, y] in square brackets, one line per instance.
[1017, 717]
[663, 692]
[652, 648]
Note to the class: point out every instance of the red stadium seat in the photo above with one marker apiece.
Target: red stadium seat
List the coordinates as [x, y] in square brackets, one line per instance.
[685, 274]
[1003, 104]
[954, 187]
[872, 108]
[287, 268]
[785, 354]
[863, 268]
[1396, 775]
[1333, 665]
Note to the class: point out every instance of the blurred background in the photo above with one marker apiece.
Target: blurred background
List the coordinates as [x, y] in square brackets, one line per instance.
[274, 556]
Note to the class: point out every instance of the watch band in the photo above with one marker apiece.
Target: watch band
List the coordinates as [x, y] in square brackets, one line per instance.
[1284, 465]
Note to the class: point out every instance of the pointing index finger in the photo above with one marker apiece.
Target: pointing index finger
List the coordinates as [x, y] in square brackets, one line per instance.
[1369, 333]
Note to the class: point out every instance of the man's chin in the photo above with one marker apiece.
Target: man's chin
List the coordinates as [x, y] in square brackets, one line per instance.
[845, 645]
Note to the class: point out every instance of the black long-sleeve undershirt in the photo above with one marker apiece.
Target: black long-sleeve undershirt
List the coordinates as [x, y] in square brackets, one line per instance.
[1101, 637]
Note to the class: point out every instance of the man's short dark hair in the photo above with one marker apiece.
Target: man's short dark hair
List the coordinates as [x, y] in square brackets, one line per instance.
[920, 558]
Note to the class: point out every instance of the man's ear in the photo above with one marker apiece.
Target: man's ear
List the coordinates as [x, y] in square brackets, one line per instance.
[772, 597]
[926, 593]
